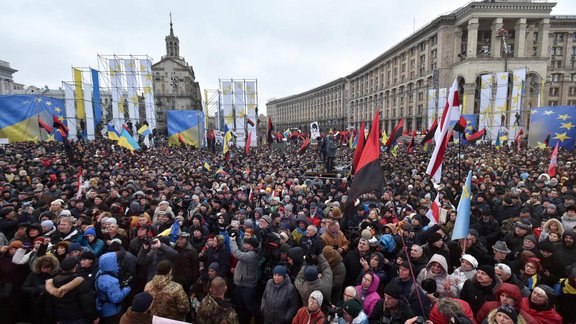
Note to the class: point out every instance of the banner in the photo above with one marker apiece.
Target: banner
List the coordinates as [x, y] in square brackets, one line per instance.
[431, 107]
[116, 92]
[314, 130]
[96, 97]
[80, 113]
[20, 116]
[251, 105]
[132, 85]
[70, 109]
[516, 102]
[146, 78]
[486, 116]
[189, 124]
[227, 102]
[240, 113]
[500, 107]
[558, 122]
[89, 122]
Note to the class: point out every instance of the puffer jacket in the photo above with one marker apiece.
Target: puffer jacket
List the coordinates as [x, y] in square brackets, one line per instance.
[369, 297]
[170, 300]
[108, 291]
[279, 302]
[439, 278]
[71, 298]
[246, 273]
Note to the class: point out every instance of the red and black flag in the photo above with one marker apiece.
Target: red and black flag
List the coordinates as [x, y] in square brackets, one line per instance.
[476, 136]
[411, 145]
[304, 146]
[396, 133]
[368, 173]
[250, 122]
[547, 140]
[359, 147]
[519, 140]
[248, 140]
[269, 138]
[460, 126]
[44, 126]
[60, 125]
[430, 134]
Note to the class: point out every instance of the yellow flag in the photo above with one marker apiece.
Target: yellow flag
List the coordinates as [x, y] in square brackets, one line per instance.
[384, 137]
[79, 94]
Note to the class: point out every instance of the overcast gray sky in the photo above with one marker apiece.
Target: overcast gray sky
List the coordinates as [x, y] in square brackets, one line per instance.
[289, 46]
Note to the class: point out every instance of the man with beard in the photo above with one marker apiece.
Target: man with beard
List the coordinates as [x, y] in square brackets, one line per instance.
[565, 254]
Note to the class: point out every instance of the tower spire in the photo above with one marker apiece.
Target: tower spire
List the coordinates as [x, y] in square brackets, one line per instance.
[171, 30]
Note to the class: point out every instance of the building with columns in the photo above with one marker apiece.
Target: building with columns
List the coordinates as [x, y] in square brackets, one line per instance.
[477, 39]
[7, 85]
[175, 85]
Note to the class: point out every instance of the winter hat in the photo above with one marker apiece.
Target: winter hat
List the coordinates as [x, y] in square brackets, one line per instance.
[68, 264]
[39, 239]
[115, 246]
[16, 244]
[509, 311]
[470, 259]
[393, 290]
[279, 270]
[549, 292]
[434, 237]
[504, 267]
[90, 231]
[474, 233]
[367, 234]
[311, 273]
[408, 227]
[142, 302]
[48, 223]
[317, 295]
[524, 224]
[352, 307]
[87, 255]
[111, 220]
[429, 285]
[501, 246]
[284, 248]
[214, 266]
[74, 247]
[531, 238]
[489, 270]
[267, 218]
[546, 246]
[535, 262]
[252, 241]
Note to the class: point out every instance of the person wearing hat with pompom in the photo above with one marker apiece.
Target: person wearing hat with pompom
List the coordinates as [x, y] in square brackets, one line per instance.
[139, 312]
[311, 312]
[280, 298]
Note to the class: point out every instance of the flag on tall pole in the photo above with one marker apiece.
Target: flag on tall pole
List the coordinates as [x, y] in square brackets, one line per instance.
[360, 140]
[460, 126]
[269, 138]
[451, 112]
[553, 161]
[462, 225]
[44, 126]
[411, 145]
[396, 133]
[79, 193]
[476, 136]
[384, 138]
[227, 138]
[430, 134]
[368, 173]
[60, 125]
[248, 140]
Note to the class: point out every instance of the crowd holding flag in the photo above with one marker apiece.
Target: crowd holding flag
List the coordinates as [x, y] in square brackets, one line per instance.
[396, 133]
[476, 136]
[304, 146]
[113, 133]
[144, 131]
[227, 138]
[553, 162]
[360, 139]
[411, 145]
[462, 225]
[441, 136]
[269, 138]
[433, 213]
[430, 134]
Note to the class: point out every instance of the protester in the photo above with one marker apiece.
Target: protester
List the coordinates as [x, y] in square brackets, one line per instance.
[139, 312]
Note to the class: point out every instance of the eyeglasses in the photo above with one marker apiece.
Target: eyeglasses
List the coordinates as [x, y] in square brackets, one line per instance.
[530, 266]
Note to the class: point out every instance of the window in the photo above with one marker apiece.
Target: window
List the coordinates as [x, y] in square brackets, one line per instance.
[559, 37]
[554, 92]
[573, 77]
[420, 108]
[553, 103]
[534, 51]
[571, 102]
[535, 37]
[434, 53]
[572, 91]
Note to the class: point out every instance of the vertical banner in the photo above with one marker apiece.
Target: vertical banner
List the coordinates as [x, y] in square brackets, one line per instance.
[500, 106]
[116, 92]
[431, 107]
[442, 98]
[89, 122]
[240, 113]
[80, 114]
[251, 105]
[96, 97]
[146, 78]
[486, 116]
[516, 102]
[132, 85]
[314, 130]
[70, 109]
[227, 102]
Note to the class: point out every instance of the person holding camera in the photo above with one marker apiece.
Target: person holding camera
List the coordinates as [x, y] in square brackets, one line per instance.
[246, 278]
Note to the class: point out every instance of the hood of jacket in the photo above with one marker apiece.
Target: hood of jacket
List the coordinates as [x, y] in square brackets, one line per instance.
[46, 259]
[511, 290]
[331, 255]
[374, 285]
[568, 218]
[546, 227]
[109, 263]
[440, 259]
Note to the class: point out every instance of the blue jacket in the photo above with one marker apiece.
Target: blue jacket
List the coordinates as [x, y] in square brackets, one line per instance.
[109, 295]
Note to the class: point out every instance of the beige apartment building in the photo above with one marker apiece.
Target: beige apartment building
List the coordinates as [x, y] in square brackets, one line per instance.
[477, 39]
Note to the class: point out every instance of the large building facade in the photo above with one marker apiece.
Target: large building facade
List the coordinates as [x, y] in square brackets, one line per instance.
[478, 39]
[175, 85]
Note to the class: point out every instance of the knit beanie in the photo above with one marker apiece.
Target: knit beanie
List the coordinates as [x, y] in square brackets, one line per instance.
[311, 273]
[142, 302]
[509, 311]
[317, 295]
[279, 270]
[489, 270]
[352, 307]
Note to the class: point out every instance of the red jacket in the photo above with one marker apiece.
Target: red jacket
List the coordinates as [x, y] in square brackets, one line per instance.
[539, 317]
[303, 317]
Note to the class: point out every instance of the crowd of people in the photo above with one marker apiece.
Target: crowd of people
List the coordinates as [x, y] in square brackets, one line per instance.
[187, 234]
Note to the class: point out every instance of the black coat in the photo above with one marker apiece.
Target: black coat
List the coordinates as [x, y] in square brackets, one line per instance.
[476, 295]
[186, 267]
[78, 301]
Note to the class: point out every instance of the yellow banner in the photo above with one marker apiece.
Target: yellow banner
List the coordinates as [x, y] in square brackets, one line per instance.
[79, 94]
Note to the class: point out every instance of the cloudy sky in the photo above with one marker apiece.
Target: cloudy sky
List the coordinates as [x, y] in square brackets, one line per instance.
[289, 46]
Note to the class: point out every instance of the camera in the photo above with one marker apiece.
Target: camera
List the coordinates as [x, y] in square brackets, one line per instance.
[26, 204]
[149, 240]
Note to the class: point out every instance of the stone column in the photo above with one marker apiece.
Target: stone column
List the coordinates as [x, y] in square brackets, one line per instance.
[469, 93]
[457, 43]
[543, 31]
[472, 37]
[496, 43]
[520, 39]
